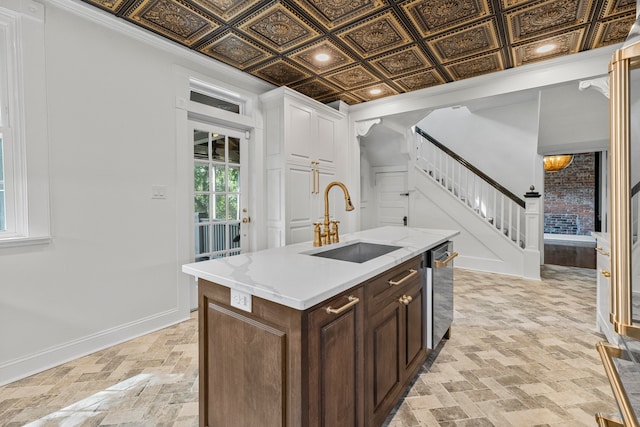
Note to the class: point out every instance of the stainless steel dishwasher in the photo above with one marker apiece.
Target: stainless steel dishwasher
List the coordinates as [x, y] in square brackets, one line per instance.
[439, 293]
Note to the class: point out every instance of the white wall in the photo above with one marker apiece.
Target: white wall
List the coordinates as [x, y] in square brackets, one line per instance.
[573, 121]
[112, 270]
[500, 141]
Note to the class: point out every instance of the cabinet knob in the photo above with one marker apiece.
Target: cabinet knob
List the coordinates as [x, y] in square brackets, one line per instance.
[405, 299]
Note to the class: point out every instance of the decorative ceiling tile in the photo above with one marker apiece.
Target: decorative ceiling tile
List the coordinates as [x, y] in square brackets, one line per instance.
[467, 42]
[476, 66]
[402, 62]
[434, 16]
[306, 57]
[332, 13]
[226, 10]
[352, 77]
[278, 27]
[234, 50]
[112, 6]
[345, 97]
[419, 80]
[376, 35]
[613, 30]
[377, 91]
[506, 4]
[315, 89]
[613, 7]
[566, 44]
[544, 17]
[280, 73]
[176, 19]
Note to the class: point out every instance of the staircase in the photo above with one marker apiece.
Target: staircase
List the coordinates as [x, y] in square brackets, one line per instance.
[452, 193]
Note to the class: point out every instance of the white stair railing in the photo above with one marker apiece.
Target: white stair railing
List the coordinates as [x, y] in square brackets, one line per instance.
[490, 201]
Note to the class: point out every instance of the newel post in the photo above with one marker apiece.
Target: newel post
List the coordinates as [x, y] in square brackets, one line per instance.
[532, 215]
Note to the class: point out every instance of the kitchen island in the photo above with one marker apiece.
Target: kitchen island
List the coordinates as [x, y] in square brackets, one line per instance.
[290, 338]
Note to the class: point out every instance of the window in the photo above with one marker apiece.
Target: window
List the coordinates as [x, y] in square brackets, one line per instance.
[23, 173]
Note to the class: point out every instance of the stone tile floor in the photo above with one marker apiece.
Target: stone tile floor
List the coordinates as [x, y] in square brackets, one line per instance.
[522, 353]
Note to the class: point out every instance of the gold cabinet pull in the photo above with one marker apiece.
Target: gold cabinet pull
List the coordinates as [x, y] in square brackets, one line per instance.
[412, 273]
[605, 273]
[352, 301]
[440, 264]
[602, 251]
[405, 299]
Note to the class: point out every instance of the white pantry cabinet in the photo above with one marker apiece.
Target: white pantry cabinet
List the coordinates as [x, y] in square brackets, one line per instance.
[304, 140]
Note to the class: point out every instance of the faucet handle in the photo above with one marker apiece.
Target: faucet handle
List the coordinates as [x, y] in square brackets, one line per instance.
[335, 238]
[317, 241]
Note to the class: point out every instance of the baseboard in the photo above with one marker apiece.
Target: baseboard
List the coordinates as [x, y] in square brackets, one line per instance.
[37, 362]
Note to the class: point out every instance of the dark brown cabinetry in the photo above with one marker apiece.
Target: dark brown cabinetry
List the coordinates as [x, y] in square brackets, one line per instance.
[336, 362]
[342, 363]
[395, 346]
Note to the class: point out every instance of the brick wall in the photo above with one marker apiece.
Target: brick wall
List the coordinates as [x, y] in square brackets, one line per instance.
[569, 197]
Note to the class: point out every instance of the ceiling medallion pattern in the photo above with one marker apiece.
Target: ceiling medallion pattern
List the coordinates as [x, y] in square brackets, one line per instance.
[538, 18]
[619, 6]
[306, 57]
[465, 43]
[281, 73]
[434, 16]
[402, 62]
[352, 77]
[368, 93]
[175, 19]
[226, 9]
[375, 36]
[334, 12]
[420, 80]
[400, 45]
[614, 30]
[477, 66]
[315, 89]
[234, 50]
[279, 28]
[566, 43]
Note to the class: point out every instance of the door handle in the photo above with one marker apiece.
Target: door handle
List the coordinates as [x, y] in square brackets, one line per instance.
[439, 264]
[246, 220]
[412, 273]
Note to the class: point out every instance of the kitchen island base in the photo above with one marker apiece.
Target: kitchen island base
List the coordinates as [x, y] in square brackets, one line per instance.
[344, 362]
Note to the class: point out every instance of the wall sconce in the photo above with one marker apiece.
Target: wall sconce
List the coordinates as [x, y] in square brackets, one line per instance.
[556, 163]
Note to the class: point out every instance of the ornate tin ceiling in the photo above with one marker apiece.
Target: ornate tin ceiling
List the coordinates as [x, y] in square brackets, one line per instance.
[390, 46]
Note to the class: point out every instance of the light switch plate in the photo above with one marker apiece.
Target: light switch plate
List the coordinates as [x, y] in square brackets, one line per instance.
[241, 300]
[158, 191]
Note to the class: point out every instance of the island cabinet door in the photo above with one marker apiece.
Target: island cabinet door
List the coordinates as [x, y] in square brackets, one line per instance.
[336, 362]
[413, 329]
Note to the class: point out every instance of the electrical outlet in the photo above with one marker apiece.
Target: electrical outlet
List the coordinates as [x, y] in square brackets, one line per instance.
[241, 300]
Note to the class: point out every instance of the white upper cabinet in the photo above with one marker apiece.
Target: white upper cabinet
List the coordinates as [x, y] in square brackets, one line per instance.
[302, 139]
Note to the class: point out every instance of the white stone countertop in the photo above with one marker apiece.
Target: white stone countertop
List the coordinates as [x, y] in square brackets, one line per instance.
[290, 276]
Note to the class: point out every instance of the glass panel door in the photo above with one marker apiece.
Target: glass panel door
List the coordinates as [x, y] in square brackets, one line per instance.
[219, 192]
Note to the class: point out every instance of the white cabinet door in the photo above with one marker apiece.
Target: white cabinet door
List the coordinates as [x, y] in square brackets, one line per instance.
[300, 129]
[324, 149]
[300, 201]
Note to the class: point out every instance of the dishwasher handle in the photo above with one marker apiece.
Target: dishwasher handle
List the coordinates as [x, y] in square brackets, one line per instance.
[440, 264]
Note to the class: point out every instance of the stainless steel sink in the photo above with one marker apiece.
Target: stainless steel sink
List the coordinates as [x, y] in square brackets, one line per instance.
[357, 252]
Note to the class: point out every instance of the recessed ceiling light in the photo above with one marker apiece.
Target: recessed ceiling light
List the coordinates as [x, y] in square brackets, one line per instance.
[546, 48]
[375, 91]
[322, 57]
